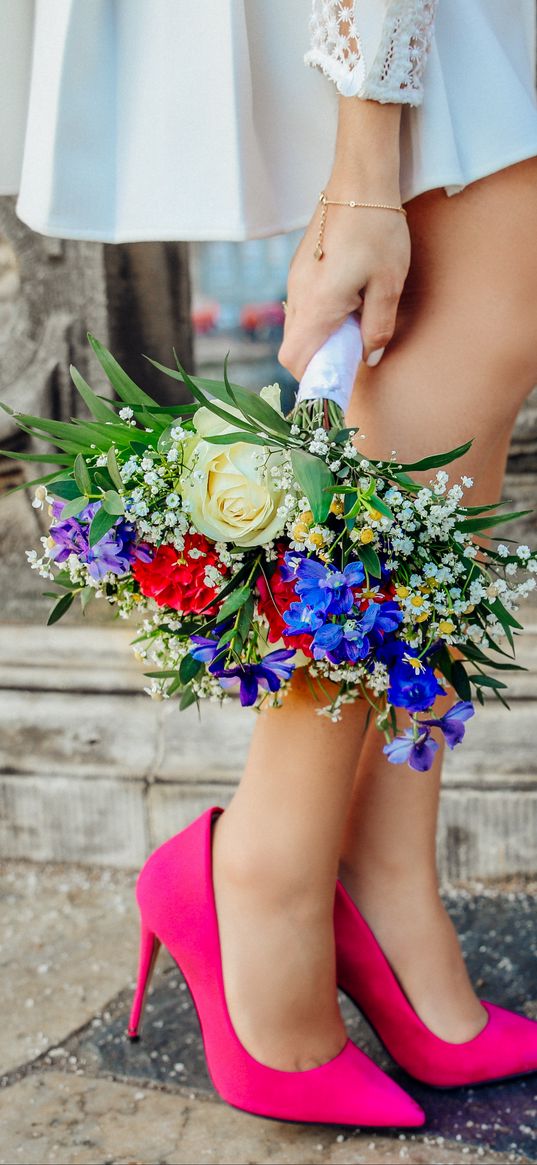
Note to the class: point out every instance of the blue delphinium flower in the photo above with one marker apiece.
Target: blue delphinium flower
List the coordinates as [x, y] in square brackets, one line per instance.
[451, 724]
[323, 587]
[274, 669]
[417, 752]
[345, 641]
[413, 685]
[300, 619]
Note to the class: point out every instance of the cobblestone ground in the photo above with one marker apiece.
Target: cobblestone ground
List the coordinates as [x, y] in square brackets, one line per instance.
[75, 1091]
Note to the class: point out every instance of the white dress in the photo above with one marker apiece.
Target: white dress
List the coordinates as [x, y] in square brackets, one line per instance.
[125, 120]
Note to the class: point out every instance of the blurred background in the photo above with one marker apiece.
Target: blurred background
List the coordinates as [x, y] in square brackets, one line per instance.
[91, 770]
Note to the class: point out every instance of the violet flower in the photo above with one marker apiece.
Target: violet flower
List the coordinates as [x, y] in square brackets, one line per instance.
[270, 673]
[417, 752]
[452, 722]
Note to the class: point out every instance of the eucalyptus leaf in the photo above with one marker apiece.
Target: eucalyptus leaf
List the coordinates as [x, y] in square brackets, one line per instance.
[460, 681]
[82, 477]
[74, 507]
[112, 503]
[188, 697]
[113, 469]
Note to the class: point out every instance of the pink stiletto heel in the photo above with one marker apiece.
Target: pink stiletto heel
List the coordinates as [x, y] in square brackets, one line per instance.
[506, 1046]
[149, 949]
[176, 900]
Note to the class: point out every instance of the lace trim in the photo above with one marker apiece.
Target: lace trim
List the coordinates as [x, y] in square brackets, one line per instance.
[397, 71]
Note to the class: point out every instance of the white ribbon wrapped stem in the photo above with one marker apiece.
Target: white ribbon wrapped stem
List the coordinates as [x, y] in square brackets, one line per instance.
[331, 372]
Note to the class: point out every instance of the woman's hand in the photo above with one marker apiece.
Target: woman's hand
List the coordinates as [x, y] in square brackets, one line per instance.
[367, 251]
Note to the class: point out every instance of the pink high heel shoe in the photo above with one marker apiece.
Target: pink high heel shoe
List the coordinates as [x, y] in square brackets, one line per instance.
[506, 1046]
[176, 899]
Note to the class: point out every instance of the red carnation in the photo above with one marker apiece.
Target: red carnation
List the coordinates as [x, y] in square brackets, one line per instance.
[174, 578]
[275, 598]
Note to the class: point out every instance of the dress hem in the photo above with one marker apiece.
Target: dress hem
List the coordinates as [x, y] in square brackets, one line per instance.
[450, 185]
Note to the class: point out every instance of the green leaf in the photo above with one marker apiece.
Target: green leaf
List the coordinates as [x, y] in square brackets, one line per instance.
[245, 619]
[72, 508]
[232, 438]
[48, 477]
[487, 681]
[188, 668]
[82, 477]
[59, 608]
[370, 559]
[317, 481]
[228, 589]
[86, 596]
[188, 697]
[121, 382]
[44, 458]
[233, 602]
[472, 525]
[436, 460]
[113, 469]
[377, 503]
[65, 488]
[96, 406]
[503, 615]
[101, 524]
[112, 503]
[460, 681]
[249, 403]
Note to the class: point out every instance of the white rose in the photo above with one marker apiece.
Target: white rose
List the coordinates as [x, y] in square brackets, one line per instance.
[229, 488]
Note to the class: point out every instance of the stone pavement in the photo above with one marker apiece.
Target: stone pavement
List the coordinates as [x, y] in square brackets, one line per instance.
[75, 1091]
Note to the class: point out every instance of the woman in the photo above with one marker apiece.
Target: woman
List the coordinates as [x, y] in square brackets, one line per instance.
[447, 299]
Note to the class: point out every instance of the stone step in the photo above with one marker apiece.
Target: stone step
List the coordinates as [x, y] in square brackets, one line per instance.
[92, 770]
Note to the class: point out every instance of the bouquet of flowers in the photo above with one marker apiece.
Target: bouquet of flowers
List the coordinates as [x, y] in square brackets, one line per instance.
[251, 543]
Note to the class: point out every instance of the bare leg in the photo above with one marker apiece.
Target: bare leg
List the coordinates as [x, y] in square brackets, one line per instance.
[464, 359]
[276, 854]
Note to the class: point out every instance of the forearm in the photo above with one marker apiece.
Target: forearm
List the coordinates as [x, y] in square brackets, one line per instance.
[366, 160]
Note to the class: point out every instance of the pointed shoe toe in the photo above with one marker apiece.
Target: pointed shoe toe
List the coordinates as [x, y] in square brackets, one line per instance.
[176, 899]
[505, 1047]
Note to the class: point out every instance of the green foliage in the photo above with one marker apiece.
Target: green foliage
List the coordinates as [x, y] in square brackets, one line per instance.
[317, 481]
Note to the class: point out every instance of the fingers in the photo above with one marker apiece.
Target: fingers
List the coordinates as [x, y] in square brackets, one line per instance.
[301, 340]
[378, 317]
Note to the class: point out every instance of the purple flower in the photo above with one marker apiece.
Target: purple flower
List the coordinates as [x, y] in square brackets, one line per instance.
[411, 688]
[345, 641]
[274, 669]
[452, 722]
[206, 647]
[417, 752]
[322, 587]
[113, 553]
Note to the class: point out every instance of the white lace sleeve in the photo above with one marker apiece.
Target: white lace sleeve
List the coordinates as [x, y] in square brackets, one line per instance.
[395, 71]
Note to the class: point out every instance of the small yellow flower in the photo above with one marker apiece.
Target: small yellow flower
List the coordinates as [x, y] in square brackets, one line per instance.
[415, 663]
[299, 532]
[446, 627]
[417, 600]
[469, 609]
[50, 542]
[375, 515]
[366, 535]
[423, 617]
[402, 592]
[336, 506]
[307, 517]
[317, 539]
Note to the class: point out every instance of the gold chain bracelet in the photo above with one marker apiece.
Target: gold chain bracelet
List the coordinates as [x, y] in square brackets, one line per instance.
[326, 202]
